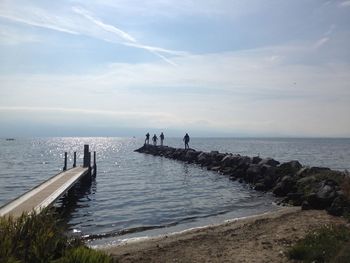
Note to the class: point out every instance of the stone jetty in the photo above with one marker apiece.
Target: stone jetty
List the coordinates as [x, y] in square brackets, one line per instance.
[309, 187]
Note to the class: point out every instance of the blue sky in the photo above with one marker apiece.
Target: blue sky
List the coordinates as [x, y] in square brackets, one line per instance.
[210, 68]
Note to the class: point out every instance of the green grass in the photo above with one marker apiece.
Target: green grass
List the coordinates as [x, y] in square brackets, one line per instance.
[84, 254]
[327, 244]
[40, 238]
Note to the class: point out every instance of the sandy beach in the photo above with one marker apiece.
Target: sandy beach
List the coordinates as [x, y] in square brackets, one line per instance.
[261, 238]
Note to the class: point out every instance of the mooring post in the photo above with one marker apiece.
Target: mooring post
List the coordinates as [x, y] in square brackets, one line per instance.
[94, 166]
[65, 161]
[75, 159]
[87, 158]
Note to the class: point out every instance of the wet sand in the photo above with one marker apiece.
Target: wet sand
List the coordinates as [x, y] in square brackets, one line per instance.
[262, 238]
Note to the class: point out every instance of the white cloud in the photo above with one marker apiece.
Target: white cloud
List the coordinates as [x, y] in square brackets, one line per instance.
[103, 26]
[36, 17]
[254, 91]
[344, 4]
[11, 36]
[321, 42]
[299, 88]
[171, 8]
[80, 22]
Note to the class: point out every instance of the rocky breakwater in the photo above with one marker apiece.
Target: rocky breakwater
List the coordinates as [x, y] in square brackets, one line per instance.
[310, 187]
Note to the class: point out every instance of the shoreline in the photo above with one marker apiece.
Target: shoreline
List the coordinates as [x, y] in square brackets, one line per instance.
[116, 242]
[258, 238]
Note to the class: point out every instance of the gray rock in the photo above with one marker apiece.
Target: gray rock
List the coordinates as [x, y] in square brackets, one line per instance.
[306, 171]
[268, 182]
[244, 161]
[325, 192]
[227, 170]
[295, 198]
[337, 206]
[256, 160]
[202, 157]
[285, 186]
[269, 161]
[289, 168]
[230, 160]
[215, 168]
[260, 187]
[191, 155]
[253, 171]
[227, 159]
[323, 198]
[305, 205]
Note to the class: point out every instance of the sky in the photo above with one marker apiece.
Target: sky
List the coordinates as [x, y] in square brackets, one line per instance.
[206, 67]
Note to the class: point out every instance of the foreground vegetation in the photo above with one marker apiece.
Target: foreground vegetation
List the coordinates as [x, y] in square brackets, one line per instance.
[40, 238]
[327, 244]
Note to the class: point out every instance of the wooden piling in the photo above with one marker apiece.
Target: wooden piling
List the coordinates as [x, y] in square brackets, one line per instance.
[87, 157]
[75, 159]
[94, 166]
[65, 161]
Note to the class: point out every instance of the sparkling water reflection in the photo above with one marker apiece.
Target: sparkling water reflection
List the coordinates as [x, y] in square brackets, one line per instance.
[137, 194]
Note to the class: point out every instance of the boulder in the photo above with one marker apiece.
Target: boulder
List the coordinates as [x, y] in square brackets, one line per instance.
[227, 159]
[260, 187]
[268, 182]
[244, 161]
[326, 194]
[269, 161]
[269, 170]
[179, 154]
[289, 168]
[305, 205]
[191, 155]
[285, 186]
[306, 171]
[337, 206]
[202, 158]
[253, 171]
[227, 170]
[230, 160]
[323, 198]
[219, 157]
[256, 160]
[239, 172]
[215, 168]
[295, 198]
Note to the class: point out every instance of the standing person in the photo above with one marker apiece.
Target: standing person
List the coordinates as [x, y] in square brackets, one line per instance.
[161, 139]
[186, 139]
[155, 138]
[147, 138]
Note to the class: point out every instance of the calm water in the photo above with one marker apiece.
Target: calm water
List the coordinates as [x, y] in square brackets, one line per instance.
[137, 195]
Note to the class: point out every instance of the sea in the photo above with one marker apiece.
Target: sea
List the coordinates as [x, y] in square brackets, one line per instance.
[136, 195]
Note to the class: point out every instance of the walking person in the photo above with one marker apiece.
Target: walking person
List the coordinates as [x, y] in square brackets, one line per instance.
[147, 138]
[155, 138]
[161, 139]
[186, 139]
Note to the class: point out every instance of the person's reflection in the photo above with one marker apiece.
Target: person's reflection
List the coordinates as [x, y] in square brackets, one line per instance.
[185, 173]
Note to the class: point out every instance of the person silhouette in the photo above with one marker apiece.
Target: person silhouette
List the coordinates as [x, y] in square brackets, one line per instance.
[147, 138]
[186, 139]
[161, 139]
[155, 138]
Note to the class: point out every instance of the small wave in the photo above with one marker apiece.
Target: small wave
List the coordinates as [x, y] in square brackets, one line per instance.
[121, 232]
[145, 228]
